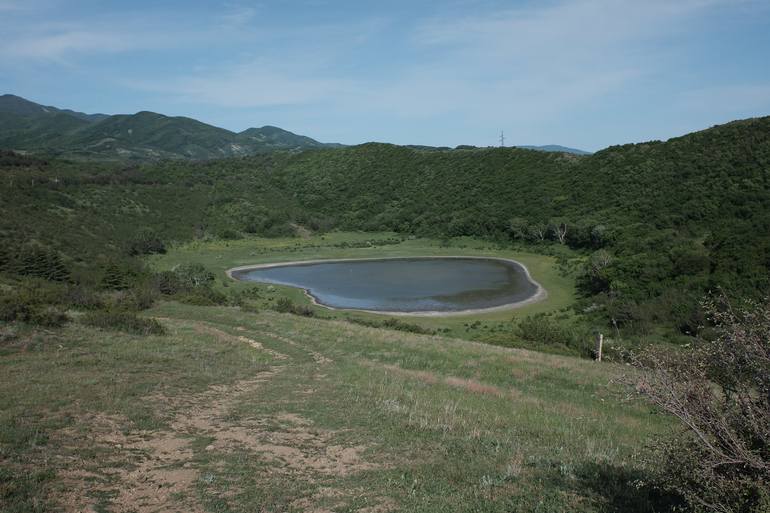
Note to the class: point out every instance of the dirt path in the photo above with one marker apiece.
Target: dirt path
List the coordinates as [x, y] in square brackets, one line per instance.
[157, 471]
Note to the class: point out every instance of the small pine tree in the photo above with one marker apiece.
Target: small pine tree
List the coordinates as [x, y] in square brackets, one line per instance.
[55, 270]
[37, 261]
[6, 257]
[32, 260]
[115, 277]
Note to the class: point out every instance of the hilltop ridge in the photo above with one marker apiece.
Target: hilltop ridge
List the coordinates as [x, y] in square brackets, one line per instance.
[145, 135]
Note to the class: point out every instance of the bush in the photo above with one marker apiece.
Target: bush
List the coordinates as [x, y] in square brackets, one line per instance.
[48, 316]
[544, 331]
[34, 303]
[229, 234]
[146, 242]
[140, 297]
[38, 261]
[83, 298]
[188, 283]
[125, 322]
[393, 324]
[719, 390]
[117, 276]
[8, 333]
[202, 296]
[168, 283]
[193, 275]
[286, 305]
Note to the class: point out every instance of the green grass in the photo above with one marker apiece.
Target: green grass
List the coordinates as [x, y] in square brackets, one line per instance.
[222, 255]
[348, 417]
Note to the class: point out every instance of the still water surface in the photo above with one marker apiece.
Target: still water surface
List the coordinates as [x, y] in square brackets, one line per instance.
[404, 284]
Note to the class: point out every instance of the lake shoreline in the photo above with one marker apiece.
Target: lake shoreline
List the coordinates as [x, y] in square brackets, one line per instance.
[539, 295]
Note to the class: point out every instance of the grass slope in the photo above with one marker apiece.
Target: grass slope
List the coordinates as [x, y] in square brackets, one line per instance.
[236, 412]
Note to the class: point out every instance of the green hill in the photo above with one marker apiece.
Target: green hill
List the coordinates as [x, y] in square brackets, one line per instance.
[556, 148]
[12, 104]
[28, 126]
[112, 294]
[655, 226]
[278, 138]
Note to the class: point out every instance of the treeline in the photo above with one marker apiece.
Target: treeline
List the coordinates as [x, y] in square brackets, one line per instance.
[660, 224]
[657, 224]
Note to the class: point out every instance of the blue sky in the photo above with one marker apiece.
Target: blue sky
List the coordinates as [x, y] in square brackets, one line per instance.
[582, 73]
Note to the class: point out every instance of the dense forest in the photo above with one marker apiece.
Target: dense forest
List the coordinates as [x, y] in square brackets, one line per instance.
[657, 224]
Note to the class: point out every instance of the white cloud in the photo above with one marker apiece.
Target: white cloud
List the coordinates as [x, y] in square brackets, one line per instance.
[252, 85]
[58, 45]
[238, 16]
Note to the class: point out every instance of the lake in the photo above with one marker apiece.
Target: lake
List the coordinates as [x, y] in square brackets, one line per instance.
[404, 285]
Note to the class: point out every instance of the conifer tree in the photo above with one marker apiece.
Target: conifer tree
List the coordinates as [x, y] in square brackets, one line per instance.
[115, 277]
[6, 257]
[55, 270]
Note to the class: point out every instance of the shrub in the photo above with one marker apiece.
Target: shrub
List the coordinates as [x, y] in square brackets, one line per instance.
[8, 333]
[34, 303]
[202, 296]
[229, 234]
[48, 316]
[545, 331]
[286, 305]
[116, 276]
[146, 242]
[140, 297]
[193, 275]
[719, 390]
[245, 297]
[393, 324]
[168, 283]
[83, 298]
[126, 322]
[39, 262]
[280, 230]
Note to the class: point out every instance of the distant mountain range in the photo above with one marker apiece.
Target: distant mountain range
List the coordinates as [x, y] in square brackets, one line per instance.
[550, 148]
[28, 126]
[556, 148]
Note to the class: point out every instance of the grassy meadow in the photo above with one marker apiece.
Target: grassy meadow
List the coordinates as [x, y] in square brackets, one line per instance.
[242, 412]
[246, 409]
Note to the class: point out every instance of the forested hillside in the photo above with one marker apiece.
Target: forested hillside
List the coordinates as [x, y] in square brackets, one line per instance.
[144, 136]
[659, 224]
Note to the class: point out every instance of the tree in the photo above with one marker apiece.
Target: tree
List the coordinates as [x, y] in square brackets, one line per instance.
[55, 270]
[600, 236]
[6, 256]
[194, 275]
[559, 229]
[538, 231]
[146, 242]
[40, 262]
[115, 277]
[719, 390]
[518, 228]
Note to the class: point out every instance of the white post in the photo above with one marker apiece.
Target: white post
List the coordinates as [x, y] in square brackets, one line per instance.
[598, 349]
